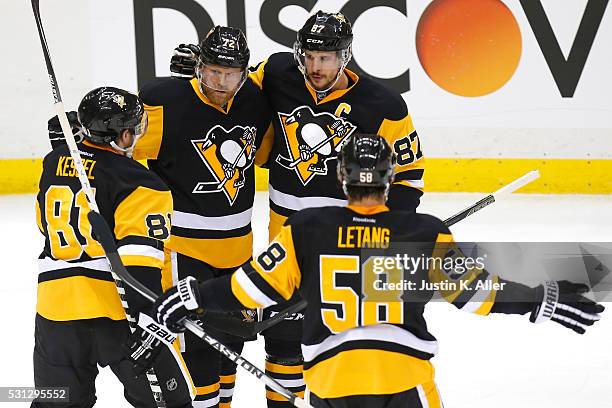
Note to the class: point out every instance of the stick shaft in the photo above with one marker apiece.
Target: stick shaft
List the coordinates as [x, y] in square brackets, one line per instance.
[491, 198]
[518, 183]
[488, 200]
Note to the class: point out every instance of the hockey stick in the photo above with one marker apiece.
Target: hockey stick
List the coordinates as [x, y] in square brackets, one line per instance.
[83, 179]
[491, 198]
[290, 164]
[245, 329]
[104, 236]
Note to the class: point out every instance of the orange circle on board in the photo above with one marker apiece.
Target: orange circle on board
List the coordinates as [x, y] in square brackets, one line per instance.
[469, 47]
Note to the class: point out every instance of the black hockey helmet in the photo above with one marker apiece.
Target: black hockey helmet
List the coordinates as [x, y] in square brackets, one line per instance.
[325, 32]
[366, 160]
[225, 46]
[105, 112]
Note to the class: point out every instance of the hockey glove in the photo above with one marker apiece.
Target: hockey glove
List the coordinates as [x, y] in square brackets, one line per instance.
[562, 302]
[56, 136]
[184, 60]
[145, 344]
[178, 303]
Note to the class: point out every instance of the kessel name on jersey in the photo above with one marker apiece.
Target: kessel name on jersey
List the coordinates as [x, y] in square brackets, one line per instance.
[312, 139]
[226, 154]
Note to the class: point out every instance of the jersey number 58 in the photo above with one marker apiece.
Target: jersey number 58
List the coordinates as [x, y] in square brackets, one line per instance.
[370, 307]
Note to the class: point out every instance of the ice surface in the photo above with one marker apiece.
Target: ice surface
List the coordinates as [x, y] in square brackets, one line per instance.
[502, 361]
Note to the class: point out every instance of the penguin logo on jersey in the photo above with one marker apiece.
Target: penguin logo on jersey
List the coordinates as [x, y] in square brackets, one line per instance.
[227, 154]
[312, 139]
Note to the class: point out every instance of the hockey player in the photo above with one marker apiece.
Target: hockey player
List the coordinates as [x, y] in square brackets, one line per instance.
[80, 321]
[319, 105]
[202, 141]
[355, 335]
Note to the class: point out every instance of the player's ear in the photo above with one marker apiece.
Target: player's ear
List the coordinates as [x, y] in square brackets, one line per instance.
[125, 138]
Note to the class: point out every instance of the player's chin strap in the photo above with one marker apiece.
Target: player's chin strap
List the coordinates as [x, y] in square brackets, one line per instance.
[128, 151]
[323, 93]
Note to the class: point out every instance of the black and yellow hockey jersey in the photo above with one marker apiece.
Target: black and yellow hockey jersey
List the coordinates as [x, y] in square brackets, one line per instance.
[359, 336]
[205, 154]
[74, 280]
[308, 134]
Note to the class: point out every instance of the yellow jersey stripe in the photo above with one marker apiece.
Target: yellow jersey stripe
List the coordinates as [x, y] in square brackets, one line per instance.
[281, 369]
[257, 76]
[220, 253]
[142, 260]
[78, 297]
[227, 379]
[149, 144]
[367, 371]
[142, 213]
[242, 295]
[251, 290]
[207, 389]
[285, 276]
[275, 396]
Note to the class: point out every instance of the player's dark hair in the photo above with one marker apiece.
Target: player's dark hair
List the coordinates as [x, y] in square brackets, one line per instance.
[359, 193]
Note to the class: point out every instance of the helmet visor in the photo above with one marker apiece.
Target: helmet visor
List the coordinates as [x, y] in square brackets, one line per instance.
[314, 61]
[141, 128]
[220, 78]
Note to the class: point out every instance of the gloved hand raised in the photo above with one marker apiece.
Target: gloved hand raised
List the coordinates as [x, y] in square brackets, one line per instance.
[56, 135]
[184, 60]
